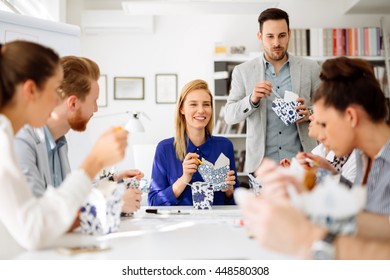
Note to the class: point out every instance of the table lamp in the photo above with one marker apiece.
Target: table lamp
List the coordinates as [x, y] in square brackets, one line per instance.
[134, 124]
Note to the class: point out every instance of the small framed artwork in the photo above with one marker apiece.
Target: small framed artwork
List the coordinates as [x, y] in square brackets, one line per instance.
[166, 88]
[102, 100]
[126, 88]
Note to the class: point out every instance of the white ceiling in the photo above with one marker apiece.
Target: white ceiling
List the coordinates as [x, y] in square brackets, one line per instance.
[370, 7]
[351, 6]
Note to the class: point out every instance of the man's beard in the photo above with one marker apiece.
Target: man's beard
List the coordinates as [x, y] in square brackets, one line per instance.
[280, 57]
[78, 123]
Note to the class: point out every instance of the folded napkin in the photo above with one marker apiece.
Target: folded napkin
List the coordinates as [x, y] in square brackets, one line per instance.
[100, 213]
[215, 174]
[285, 108]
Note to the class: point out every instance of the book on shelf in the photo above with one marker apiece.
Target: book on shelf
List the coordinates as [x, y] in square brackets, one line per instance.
[380, 74]
[355, 41]
[220, 122]
[241, 161]
[217, 127]
[241, 127]
[232, 129]
[221, 127]
[227, 129]
[237, 158]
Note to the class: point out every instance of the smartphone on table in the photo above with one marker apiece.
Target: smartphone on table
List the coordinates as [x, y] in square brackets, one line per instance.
[83, 249]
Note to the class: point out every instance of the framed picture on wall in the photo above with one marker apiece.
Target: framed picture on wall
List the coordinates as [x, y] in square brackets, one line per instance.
[127, 88]
[102, 100]
[166, 88]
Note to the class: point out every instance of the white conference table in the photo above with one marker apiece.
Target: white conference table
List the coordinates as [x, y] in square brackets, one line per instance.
[194, 234]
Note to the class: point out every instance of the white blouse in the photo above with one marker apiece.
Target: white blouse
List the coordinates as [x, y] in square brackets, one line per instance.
[32, 222]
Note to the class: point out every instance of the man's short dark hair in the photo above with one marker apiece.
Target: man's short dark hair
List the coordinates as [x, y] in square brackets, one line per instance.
[273, 14]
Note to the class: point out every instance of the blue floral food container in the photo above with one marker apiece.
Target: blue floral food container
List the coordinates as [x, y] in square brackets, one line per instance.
[202, 195]
[286, 110]
[101, 211]
[214, 176]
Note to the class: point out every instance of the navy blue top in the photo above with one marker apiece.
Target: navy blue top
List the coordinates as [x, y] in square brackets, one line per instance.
[167, 168]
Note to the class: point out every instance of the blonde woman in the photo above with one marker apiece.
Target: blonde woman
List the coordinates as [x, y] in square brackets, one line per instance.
[175, 164]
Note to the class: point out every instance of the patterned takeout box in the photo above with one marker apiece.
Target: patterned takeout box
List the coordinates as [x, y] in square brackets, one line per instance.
[101, 211]
[286, 110]
[202, 195]
[132, 183]
[215, 174]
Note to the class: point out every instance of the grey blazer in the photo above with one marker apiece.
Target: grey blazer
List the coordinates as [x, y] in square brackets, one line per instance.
[32, 155]
[304, 79]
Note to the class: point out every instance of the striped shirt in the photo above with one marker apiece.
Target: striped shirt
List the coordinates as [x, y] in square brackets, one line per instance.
[378, 181]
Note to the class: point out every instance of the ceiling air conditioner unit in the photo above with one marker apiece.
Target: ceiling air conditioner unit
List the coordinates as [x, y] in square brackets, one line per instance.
[115, 21]
[196, 7]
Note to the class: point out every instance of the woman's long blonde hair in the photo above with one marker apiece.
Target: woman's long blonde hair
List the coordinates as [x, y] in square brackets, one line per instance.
[180, 121]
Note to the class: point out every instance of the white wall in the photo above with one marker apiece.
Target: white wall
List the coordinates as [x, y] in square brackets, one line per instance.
[179, 44]
[183, 45]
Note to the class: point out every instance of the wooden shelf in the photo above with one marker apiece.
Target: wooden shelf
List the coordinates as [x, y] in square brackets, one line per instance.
[232, 135]
[220, 97]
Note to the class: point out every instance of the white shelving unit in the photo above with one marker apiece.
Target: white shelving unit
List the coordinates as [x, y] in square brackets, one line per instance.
[386, 37]
[238, 139]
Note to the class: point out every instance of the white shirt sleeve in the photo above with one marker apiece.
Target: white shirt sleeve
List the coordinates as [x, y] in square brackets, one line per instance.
[319, 150]
[349, 168]
[35, 222]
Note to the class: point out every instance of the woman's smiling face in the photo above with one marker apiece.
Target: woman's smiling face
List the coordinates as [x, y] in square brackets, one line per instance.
[197, 109]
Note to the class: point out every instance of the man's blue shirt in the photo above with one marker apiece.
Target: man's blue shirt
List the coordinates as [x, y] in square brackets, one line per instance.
[53, 149]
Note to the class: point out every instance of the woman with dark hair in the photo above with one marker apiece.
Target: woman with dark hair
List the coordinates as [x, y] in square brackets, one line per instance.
[350, 110]
[30, 82]
[176, 160]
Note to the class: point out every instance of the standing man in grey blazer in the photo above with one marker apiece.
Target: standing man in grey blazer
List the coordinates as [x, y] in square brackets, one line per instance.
[253, 88]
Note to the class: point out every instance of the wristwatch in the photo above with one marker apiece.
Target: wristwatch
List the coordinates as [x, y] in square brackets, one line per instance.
[324, 249]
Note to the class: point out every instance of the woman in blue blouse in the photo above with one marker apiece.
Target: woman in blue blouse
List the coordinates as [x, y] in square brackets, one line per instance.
[175, 164]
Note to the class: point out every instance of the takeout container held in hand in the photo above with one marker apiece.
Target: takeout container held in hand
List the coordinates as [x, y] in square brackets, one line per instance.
[285, 108]
[215, 174]
[132, 183]
[333, 205]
